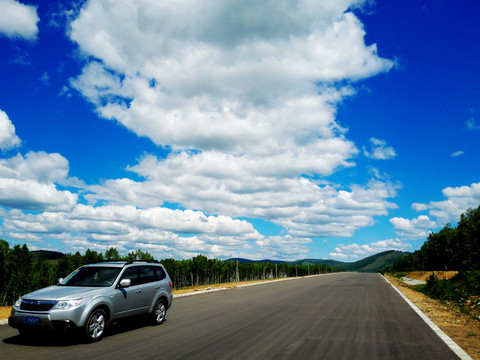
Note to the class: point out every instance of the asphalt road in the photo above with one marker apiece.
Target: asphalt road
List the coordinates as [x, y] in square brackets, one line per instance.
[339, 316]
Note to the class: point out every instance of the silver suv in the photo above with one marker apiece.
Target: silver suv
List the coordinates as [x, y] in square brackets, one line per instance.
[95, 295]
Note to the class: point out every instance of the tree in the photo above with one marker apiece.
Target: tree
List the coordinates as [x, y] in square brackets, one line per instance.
[42, 274]
[112, 254]
[469, 233]
[200, 268]
[92, 257]
[139, 255]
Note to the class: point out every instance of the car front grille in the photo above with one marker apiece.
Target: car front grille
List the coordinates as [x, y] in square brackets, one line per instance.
[37, 305]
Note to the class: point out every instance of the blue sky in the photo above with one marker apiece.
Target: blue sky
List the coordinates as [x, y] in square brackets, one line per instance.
[285, 130]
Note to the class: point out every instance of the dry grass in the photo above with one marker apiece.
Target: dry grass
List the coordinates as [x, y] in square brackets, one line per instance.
[424, 275]
[5, 312]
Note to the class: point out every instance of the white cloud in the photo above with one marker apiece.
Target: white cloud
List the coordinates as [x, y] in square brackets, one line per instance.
[163, 231]
[245, 94]
[457, 153]
[414, 229]
[458, 200]
[379, 150]
[28, 182]
[472, 125]
[8, 138]
[234, 76]
[250, 187]
[18, 20]
[356, 251]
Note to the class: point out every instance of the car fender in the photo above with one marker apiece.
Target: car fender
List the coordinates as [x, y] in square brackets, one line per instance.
[100, 301]
[161, 293]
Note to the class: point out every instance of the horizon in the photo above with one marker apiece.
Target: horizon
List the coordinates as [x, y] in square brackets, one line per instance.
[328, 129]
[252, 260]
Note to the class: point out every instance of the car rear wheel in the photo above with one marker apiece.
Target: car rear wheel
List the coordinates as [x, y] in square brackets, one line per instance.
[95, 326]
[159, 312]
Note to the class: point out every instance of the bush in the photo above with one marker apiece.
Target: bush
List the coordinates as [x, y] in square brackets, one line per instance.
[459, 288]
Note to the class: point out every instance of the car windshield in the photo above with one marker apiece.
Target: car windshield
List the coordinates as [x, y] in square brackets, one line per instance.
[92, 276]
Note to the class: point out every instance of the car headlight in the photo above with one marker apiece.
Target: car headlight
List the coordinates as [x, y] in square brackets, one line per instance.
[67, 304]
[17, 303]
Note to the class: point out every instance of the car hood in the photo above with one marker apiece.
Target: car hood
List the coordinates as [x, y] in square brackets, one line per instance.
[62, 292]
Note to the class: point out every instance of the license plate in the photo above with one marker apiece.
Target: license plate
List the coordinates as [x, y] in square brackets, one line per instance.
[31, 320]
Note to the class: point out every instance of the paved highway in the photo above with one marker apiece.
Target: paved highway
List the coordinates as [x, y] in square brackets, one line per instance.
[339, 316]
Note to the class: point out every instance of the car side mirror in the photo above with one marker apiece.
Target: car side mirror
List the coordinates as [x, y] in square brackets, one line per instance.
[125, 283]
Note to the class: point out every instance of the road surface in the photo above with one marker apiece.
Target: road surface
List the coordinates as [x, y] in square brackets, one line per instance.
[337, 316]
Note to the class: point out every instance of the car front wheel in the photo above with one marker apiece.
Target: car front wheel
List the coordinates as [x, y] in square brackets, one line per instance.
[159, 312]
[95, 326]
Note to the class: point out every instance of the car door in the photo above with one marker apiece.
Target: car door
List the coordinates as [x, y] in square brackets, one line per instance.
[129, 301]
[149, 285]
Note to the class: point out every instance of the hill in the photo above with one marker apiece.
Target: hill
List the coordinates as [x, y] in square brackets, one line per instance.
[242, 261]
[46, 255]
[372, 263]
[375, 262]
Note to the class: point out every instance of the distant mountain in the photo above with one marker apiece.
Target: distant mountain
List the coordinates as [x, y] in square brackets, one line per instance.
[46, 255]
[333, 263]
[372, 263]
[242, 261]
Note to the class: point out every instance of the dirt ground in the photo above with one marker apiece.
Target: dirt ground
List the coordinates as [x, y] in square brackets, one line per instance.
[423, 275]
[461, 328]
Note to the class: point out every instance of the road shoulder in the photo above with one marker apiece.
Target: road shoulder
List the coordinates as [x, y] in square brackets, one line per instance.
[460, 328]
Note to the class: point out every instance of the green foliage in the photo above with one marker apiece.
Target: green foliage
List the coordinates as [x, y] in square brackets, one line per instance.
[461, 290]
[449, 249]
[20, 273]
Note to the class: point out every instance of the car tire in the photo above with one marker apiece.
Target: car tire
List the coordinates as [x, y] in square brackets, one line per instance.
[159, 312]
[95, 325]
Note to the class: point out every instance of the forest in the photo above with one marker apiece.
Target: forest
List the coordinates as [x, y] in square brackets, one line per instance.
[452, 248]
[21, 273]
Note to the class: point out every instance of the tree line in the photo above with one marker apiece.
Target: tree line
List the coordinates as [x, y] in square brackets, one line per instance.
[21, 273]
[452, 248]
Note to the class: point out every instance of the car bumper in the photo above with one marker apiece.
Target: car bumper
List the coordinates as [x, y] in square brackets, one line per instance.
[28, 320]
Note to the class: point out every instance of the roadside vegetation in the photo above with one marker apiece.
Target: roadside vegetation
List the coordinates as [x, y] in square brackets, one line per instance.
[21, 272]
[460, 292]
[452, 248]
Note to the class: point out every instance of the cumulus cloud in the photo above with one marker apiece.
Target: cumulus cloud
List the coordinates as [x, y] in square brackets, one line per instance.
[18, 20]
[458, 200]
[356, 251]
[28, 182]
[379, 150]
[414, 229]
[166, 232]
[245, 187]
[233, 76]
[244, 93]
[8, 138]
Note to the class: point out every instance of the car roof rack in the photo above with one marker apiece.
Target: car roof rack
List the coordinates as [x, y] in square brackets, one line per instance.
[147, 261]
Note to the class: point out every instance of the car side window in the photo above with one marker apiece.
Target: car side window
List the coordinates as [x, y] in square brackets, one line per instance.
[160, 273]
[132, 274]
[146, 274]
